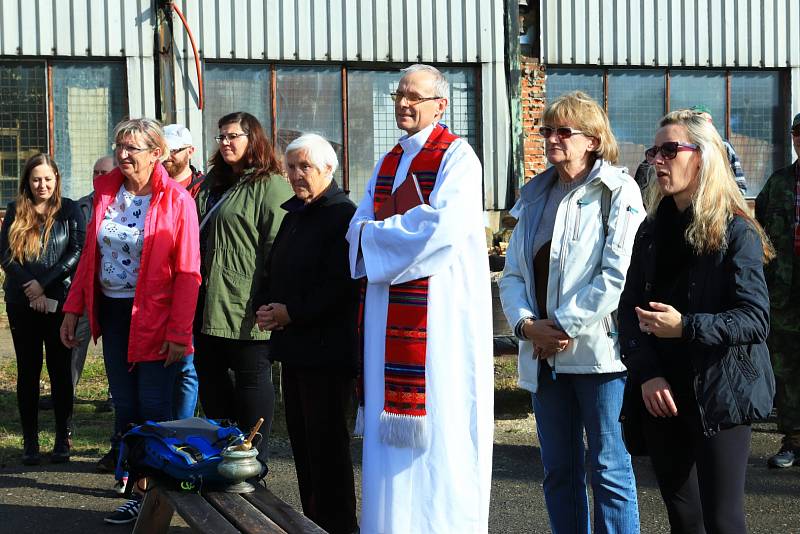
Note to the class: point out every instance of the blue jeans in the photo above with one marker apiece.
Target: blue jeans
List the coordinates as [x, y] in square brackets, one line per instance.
[185, 399]
[564, 408]
[141, 392]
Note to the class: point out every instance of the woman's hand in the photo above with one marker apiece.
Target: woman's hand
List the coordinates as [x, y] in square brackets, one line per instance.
[272, 316]
[657, 396]
[546, 337]
[663, 321]
[174, 352]
[39, 304]
[67, 331]
[33, 289]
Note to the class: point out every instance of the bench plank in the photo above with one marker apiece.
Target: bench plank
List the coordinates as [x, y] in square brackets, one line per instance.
[242, 514]
[284, 515]
[198, 514]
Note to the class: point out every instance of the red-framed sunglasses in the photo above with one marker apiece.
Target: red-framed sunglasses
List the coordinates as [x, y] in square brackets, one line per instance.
[562, 132]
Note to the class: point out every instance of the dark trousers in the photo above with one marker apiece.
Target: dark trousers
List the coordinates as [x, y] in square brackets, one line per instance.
[317, 404]
[701, 478]
[243, 397]
[30, 330]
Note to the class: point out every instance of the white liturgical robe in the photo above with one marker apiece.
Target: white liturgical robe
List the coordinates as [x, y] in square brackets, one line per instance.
[444, 487]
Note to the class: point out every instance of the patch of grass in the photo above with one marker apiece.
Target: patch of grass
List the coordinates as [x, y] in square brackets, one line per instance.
[510, 402]
[91, 427]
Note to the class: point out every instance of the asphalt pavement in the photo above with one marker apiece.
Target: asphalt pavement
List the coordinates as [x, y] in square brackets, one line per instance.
[73, 499]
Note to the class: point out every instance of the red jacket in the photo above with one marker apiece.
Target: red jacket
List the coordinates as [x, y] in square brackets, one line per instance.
[169, 275]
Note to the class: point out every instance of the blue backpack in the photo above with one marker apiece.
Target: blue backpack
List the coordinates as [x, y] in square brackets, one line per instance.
[184, 453]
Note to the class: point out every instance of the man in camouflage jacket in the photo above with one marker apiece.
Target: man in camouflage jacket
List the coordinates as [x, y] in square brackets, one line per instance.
[778, 211]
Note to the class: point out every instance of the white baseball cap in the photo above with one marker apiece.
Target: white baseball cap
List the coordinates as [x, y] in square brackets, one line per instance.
[177, 136]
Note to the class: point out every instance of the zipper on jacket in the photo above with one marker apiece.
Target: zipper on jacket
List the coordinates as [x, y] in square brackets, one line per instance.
[707, 432]
[580, 203]
[561, 260]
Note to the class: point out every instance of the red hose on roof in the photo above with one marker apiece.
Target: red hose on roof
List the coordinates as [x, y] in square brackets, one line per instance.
[196, 57]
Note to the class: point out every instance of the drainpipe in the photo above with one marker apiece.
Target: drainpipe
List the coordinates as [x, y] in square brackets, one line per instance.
[516, 170]
[165, 64]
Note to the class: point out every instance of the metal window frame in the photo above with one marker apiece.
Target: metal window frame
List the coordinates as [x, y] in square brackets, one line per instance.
[345, 68]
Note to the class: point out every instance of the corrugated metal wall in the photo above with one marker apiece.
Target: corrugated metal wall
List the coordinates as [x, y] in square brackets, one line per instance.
[353, 32]
[86, 28]
[692, 33]
[319, 31]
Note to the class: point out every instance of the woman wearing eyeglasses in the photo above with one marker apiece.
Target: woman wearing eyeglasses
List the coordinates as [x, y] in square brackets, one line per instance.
[240, 212]
[694, 317]
[565, 268]
[138, 278]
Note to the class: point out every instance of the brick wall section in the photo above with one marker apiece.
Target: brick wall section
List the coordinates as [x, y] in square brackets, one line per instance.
[532, 96]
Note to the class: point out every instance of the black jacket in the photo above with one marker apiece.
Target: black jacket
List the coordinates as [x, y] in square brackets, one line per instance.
[308, 270]
[55, 267]
[725, 325]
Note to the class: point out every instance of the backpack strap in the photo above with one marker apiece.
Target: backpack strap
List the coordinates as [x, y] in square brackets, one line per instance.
[605, 211]
[605, 207]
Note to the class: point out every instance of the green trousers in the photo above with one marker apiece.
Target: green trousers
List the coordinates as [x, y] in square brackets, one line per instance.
[784, 348]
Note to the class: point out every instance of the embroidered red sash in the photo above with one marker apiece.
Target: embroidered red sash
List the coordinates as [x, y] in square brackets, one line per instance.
[402, 422]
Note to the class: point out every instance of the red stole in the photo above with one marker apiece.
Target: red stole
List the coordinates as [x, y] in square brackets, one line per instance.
[402, 422]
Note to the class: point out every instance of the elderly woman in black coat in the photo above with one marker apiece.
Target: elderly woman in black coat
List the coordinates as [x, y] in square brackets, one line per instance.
[311, 304]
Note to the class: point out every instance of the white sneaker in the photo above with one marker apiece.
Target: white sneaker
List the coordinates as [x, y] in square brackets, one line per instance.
[119, 486]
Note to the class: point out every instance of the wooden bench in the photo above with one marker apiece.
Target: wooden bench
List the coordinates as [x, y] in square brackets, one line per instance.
[222, 513]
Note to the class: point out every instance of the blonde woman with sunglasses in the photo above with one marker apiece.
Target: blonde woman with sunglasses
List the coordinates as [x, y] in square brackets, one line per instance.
[565, 269]
[694, 318]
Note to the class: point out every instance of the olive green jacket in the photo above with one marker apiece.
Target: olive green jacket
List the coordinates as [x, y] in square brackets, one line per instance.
[240, 237]
[775, 211]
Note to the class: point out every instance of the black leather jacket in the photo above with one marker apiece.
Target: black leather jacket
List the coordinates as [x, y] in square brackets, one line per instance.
[725, 326]
[55, 267]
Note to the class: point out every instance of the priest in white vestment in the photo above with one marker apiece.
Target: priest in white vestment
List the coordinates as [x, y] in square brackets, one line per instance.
[432, 476]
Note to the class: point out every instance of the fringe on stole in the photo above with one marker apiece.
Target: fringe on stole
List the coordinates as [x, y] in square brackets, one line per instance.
[358, 431]
[404, 431]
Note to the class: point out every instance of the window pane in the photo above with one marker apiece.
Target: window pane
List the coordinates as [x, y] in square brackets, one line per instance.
[689, 88]
[310, 101]
[89, 100]
[231, 88]
[23, 121]
[759, 125]
[561, 81]
[461, 115]
[635, 105]
[372, 128]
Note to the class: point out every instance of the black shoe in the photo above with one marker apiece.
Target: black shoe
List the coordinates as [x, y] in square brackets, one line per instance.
[30, 453]
[108, 463]
[127, 513]
[61, 448]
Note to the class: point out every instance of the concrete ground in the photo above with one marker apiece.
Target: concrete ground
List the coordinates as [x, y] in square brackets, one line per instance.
[72, 498]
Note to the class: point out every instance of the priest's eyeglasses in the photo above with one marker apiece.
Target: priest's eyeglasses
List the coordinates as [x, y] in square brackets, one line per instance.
[411, 100]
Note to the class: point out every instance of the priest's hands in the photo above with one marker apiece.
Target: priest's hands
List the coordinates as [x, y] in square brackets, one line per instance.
[548, 340]
[272, 316]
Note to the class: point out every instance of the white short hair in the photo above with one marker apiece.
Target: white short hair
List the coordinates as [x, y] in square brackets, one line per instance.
[439, 81]
[318, 149]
